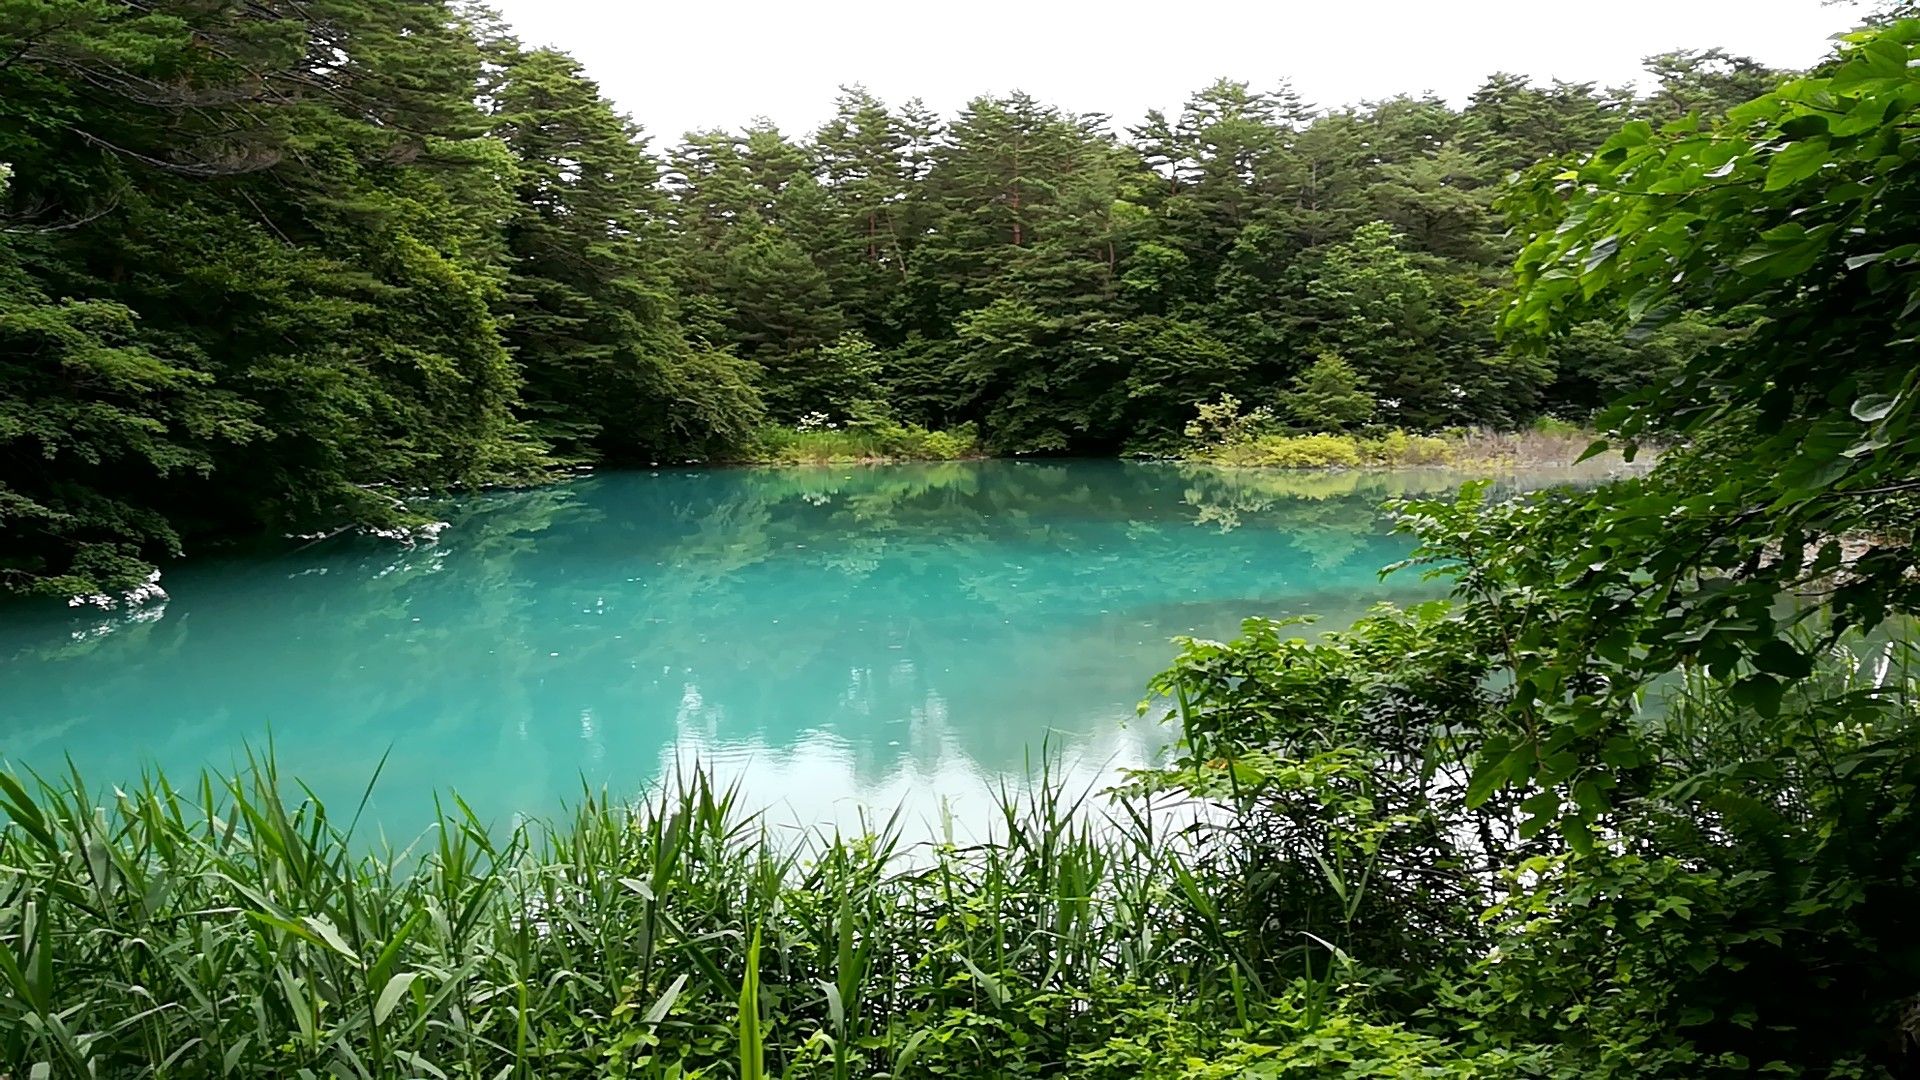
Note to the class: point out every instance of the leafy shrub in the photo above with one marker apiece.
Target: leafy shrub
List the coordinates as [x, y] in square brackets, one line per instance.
[1330, 396]
[1222, 424]
[882, 440]
[1290, 452]
[1297, 1033]
[1553, 425]
[1348, 1046]
[1397, 447]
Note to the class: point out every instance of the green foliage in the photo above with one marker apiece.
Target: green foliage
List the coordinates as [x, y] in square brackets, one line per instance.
[591, 315]
[265, 308]
[1376, 308]
[1329, 396]
[820, 441]
[1660, 732]
[841, 380]
[1221, 423]
[1290, 452]
[297, 291]
[1072, 292]
[84, 394]
[1637, 801]
[1396, 447]
[1739, 917]
[1772, 215]
[679, 937]
[1595, 365]
[1222, 435]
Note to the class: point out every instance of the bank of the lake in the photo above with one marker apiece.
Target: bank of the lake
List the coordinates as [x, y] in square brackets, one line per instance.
[1546, 445]
[827, 442]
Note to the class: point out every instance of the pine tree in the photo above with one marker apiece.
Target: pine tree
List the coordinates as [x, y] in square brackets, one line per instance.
[1369, 302]
[592, 315]
[1329, 396]
[862, 158]
[761, 294]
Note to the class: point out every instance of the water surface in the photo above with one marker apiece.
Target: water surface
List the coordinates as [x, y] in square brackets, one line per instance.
[831, 637]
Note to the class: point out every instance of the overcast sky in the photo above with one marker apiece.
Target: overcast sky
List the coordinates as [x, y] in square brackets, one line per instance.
[720, 63]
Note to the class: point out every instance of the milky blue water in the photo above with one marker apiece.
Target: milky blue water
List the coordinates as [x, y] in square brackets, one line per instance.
[829, 637]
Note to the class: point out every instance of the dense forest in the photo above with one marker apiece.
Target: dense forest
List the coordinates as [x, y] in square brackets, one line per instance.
[1637, 799]
[283, 267]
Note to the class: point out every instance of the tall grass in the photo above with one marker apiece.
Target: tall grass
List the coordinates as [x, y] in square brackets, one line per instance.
[232, 929]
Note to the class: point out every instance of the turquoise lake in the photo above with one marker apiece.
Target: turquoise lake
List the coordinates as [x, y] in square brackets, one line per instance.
[832, 638]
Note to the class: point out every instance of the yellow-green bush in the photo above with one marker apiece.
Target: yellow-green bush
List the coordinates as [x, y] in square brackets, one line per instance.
[1334, 451]
[1290, 452]
[1397, 447]
[1549, 445]
[867, 442]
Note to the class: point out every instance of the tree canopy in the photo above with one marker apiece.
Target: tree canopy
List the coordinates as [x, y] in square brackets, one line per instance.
[286, 266]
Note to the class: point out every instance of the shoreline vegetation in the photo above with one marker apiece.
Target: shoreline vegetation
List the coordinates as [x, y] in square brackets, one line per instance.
[1612, 808]
[1140, 933]
[679, 938]
[826, 443]
[1546, 444]
[1226, 434]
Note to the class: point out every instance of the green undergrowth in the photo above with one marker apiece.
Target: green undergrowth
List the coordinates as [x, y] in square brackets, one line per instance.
[879, 442]
[1330, 451]
[1224, 432]
[224, 929]
[1547, 445]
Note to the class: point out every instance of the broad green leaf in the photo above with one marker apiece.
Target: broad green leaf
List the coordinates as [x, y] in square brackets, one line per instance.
[1796, 162]
[1874, 408]
[1759, 692]
[1780, 658]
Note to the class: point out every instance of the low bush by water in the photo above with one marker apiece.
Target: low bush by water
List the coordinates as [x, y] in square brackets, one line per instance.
[885, 441]
[1540, 447]
[1395, 448]
[1224, 433]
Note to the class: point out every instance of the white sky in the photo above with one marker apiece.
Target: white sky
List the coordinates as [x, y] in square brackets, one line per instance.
[677, 65]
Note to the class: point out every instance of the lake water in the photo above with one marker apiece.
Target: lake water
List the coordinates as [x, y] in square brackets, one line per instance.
[832, 637]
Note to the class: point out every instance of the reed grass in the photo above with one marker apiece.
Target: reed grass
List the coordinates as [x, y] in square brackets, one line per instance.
[234, 928]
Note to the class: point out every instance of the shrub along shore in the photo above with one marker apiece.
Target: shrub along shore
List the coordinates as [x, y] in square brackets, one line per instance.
[1539, 447]
[825, 443]
[1547, 444]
